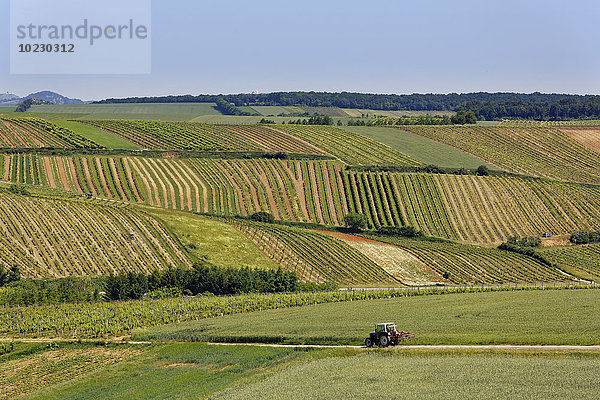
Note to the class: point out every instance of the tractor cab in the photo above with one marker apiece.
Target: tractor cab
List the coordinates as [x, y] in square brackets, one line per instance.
[385, 327]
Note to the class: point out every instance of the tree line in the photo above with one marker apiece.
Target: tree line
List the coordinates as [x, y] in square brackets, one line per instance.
[577, 107]
[583, 237]
[228, 108]
[488, 106]
[201, 279]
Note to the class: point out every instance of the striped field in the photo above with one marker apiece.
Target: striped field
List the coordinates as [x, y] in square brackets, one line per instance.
[535, 151]
[459, 207]
[56, 238]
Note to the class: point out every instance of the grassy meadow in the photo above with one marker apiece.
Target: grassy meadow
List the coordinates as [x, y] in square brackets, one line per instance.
[199, 371]
[176, 371]
[98, 136]
[208, 239]
[420, 148]
[516, 317]
[429, 376]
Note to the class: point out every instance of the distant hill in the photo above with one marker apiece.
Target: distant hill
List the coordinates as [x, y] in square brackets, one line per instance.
[9, 99]
[53, 98]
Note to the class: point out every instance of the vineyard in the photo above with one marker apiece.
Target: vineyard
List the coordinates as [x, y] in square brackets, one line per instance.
[253, 138]
[196, 136]
[56, 238]
[36, 133]
[534, 151]
[349, 147]
[156, 135]
[397, 262]
[323, 140]
[587, 136]
[466, 264]
[585, 257]
[23, 376]
[459, 207]
[582, 122]
[472, 208]
[290, 190]
[100, 319]
[334, 261]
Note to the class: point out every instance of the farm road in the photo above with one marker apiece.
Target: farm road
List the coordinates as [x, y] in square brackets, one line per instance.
[322, 346]
[431, 346]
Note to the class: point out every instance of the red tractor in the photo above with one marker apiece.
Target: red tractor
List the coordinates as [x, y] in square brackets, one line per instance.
[385, 334]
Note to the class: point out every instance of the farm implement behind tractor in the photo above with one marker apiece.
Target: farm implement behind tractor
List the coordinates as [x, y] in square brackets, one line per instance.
[386, 334]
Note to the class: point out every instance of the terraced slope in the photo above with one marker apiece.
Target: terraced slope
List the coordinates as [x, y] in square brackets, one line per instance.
[582, 257]
[458, 207]
[394, 260]
[586, 135]
[197, 136]
[535, 151]
[472, 208]
[253, 138]
[467, 264]
[57, 238]
[313, 256]
[290, 190]
[349, 147]
[156, 135]
[35, 133]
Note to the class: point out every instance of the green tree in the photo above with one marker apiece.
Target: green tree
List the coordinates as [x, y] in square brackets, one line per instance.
[470, 117]
[262, 216]
[355, 221]
[482, 170]
[17, 188]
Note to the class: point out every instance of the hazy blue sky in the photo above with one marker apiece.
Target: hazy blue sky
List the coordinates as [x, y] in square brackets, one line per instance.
[377, 46]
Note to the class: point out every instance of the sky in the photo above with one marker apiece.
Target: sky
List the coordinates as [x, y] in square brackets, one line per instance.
[425, 46]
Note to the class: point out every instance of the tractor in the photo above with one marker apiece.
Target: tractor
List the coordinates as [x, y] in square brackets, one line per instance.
[385, 334]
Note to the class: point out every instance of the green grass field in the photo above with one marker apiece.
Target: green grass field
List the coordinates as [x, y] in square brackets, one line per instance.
[7, 109]
[429, 376]
[197, 371]
[420, 148]
[208, 239]
[130, 108]
[98, 136]
[270, 110]
[48, 116]
[358, 112]
[131, 111]
[518, 317]
[177, 371]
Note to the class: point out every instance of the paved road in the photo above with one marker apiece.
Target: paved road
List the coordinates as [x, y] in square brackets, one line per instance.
[430, 346]
[322, 346]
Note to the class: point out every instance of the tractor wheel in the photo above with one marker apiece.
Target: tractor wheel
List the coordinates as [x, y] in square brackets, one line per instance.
[384, 341]
[368, 342]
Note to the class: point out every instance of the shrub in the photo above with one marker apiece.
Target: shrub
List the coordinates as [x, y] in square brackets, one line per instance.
[165, 293]
[355, 221]
[583, 237]
[17, 188]
[482, 170]
[262, 216]
[527, 241]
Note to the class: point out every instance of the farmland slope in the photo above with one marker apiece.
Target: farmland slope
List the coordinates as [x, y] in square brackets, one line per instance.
[56, 238]
[535, 151]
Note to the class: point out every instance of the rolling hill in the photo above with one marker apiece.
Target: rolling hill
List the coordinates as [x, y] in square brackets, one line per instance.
[323, 181]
